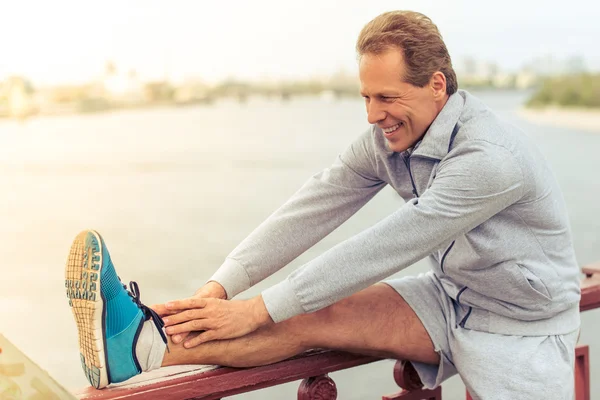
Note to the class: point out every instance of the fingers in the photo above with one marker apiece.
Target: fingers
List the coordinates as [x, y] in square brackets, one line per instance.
[194, 325]
[181, 315]
[192, 302]
[201, 338]
[185, 316]
[178, 338]
[175, 306]
[162, 310]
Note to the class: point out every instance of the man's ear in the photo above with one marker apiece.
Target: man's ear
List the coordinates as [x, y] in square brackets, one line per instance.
[438, 85]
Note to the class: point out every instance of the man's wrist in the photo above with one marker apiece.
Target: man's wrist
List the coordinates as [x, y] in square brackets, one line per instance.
[259, 310]
[213, 289]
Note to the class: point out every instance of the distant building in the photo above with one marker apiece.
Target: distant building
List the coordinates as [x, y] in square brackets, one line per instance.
[122, 89]
[192, 92]
[551, 66]
[17, 98]
[479, 73]
[575, 65]
[467, 66]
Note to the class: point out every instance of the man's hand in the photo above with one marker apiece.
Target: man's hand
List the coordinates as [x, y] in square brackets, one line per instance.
[219, 319]
[211, 290]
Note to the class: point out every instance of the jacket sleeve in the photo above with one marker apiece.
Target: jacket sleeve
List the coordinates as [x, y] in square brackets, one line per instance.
[323, 203]
[472, 184]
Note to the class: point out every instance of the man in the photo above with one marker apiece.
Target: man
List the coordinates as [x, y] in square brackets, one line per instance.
[499, 306]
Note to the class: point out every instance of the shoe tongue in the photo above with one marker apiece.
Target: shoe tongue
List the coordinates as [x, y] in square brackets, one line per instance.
[148, 312]
[158, 322]
[149, 349]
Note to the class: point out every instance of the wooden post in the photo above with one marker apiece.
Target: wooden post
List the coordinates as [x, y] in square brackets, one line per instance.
[320, 387]
[407, 378]
[582, 372]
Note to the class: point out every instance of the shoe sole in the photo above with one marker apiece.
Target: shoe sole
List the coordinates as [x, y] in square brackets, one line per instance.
[82, 281]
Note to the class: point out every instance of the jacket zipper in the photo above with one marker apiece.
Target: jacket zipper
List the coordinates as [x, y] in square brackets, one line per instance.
[466, 317]
[412, 181]
[416, 194]
[459, 293]
[445, 254]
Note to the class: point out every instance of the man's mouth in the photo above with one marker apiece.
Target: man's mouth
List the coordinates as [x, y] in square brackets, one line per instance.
[392, 129]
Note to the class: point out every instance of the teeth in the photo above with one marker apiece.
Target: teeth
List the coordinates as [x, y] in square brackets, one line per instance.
[391, 128]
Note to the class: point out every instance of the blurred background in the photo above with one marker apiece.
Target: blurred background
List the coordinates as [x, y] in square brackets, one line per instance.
[175, 128]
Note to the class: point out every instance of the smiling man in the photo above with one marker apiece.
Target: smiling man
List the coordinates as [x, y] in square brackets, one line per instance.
[499, 306]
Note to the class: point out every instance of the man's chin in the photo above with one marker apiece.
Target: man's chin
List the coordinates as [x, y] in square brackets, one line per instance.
[395, 146]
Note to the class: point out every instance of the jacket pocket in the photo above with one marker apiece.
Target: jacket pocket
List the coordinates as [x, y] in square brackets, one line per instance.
[534, 282]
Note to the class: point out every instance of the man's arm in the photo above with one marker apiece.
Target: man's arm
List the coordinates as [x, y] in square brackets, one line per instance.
[321, 205]
[471, 185]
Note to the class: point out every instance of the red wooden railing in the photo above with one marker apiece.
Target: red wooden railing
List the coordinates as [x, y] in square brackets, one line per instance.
[312, 367]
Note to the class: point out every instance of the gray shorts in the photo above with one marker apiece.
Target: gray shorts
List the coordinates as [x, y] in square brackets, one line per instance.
[492, 366]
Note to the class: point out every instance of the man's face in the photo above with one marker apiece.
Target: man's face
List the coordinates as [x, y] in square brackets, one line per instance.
[403, 111]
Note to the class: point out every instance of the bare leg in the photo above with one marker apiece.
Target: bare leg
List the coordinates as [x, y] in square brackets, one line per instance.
[376, 321]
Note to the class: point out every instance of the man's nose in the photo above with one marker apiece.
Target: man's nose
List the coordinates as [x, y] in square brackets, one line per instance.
[375, 112]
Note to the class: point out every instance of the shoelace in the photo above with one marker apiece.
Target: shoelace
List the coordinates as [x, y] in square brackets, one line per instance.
[134, 292]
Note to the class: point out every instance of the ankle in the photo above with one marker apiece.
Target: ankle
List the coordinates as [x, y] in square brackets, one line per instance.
[150, 348]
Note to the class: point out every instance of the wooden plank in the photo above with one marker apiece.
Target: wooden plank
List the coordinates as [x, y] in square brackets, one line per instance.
[224, 382]
[590, 293]
[591, 269]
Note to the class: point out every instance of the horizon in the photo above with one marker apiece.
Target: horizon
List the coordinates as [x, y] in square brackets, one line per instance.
[269, 41]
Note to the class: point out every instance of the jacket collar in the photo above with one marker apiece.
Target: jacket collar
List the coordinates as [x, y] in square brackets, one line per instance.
[437, 141]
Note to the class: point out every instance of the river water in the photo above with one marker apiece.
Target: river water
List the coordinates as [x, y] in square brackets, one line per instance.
[173, 190]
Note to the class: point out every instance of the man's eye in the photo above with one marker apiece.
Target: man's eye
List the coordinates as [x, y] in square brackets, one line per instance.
[388, 99]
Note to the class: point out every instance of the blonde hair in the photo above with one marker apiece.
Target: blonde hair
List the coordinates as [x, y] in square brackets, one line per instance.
[420, 41]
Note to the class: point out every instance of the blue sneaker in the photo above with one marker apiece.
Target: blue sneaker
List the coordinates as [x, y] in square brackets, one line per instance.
[109, 317]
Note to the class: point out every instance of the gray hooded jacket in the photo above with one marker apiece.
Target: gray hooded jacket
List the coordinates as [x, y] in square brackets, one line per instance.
[481, 201]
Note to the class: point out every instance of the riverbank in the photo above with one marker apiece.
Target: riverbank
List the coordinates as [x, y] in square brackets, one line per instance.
[576, 118]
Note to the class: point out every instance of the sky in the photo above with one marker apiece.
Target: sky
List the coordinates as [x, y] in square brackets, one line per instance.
[70, 41]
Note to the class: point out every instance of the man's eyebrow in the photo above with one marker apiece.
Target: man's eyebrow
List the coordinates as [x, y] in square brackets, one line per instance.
[381, 94]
